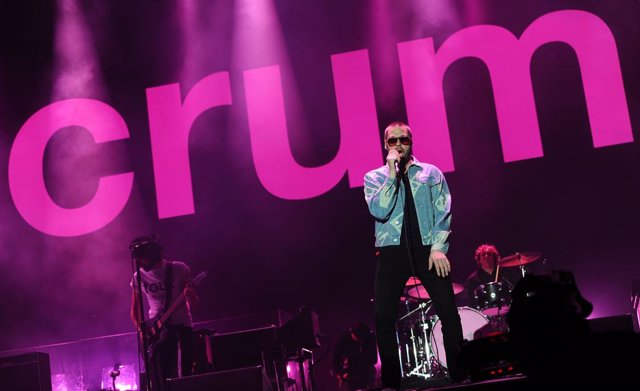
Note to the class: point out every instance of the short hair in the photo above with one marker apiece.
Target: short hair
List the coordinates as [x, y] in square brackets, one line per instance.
[398, 124]
[486, 248]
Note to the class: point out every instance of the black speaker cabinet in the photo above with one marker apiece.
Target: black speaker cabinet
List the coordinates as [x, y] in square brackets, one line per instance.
[244, 379]
[242, 349]
[25, 372]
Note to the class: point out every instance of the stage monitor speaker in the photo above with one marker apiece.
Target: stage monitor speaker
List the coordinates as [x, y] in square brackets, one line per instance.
[25, 372]
[242, 349]
[244, 379]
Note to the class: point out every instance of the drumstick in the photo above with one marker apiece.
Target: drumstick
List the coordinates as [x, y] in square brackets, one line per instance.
[497, 272]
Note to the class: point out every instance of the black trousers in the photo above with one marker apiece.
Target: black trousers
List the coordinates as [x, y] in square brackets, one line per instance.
[164, 363]
[393, 270]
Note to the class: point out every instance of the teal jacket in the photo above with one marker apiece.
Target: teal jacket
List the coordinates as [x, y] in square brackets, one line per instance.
[432, 200]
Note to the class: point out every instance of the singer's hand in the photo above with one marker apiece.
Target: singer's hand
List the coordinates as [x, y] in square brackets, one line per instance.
[393, 157]
[439, 260]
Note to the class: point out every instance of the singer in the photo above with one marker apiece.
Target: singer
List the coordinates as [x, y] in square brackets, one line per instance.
[411, 205]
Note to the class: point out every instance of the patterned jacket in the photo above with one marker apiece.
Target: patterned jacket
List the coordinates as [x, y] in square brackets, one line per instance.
[432, 201]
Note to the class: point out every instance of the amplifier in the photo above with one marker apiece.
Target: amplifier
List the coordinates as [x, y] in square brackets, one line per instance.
[26, 372]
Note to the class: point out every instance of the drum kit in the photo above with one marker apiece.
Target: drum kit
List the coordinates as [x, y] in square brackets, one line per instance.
[419, 331]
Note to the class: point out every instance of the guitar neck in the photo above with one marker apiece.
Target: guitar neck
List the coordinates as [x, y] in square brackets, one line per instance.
[176, 303]
[172, 308]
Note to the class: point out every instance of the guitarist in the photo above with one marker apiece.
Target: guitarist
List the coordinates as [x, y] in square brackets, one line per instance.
[162, 283]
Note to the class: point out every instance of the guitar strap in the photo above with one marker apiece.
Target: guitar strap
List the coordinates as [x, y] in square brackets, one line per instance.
[168, 283]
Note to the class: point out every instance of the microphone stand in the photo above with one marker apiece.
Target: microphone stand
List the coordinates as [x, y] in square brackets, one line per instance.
[114, 373]
[406, 224]
[147, 360]
[430, 367]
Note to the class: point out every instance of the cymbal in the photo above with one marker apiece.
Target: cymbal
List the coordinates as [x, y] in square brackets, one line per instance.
[519, 259]
[419, 293]
[413, 281]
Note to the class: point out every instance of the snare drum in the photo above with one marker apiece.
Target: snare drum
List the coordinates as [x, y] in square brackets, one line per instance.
[471, 320]
[493, 298]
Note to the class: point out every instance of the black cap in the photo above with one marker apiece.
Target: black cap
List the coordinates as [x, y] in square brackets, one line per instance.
[146, 247]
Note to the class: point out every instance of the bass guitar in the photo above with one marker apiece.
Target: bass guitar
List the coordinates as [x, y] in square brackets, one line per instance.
[155, 329]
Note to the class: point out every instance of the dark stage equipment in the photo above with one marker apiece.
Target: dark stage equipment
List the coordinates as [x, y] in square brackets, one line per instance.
[284, 352]
[202, 354]
[491, 357]
[244, 379]
[243, 348]
[622, 323]
[301, 331]
[25, 372]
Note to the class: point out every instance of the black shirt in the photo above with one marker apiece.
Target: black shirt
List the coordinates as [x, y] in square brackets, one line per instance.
[410, 226]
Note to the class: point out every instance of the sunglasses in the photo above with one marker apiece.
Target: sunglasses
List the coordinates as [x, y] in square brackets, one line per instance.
[392, 141]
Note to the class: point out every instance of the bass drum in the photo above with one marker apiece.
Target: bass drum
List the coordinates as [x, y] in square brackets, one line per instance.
[471, 320]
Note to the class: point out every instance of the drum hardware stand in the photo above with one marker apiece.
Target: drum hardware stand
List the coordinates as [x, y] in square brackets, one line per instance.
[523, 270]
[428, 366]
[305, 355]
[420, 306]
[412, 337]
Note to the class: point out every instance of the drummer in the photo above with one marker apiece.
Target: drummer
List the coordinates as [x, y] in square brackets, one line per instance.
[486, 257]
